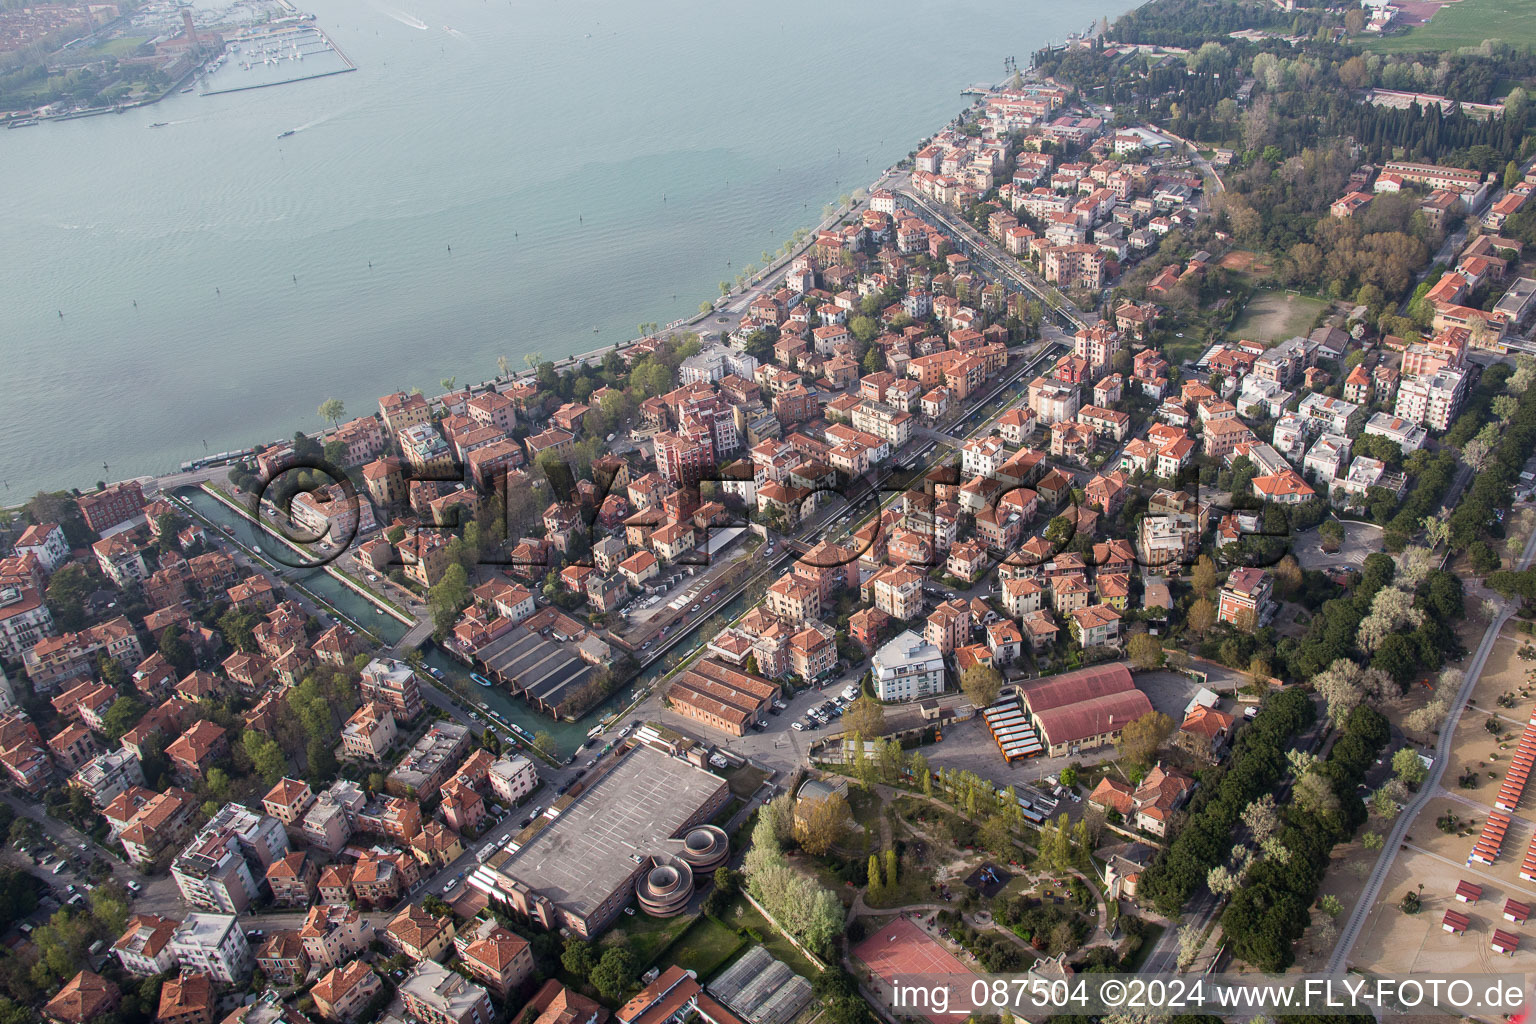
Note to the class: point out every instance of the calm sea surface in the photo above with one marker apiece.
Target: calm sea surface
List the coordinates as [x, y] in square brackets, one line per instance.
[589, 165]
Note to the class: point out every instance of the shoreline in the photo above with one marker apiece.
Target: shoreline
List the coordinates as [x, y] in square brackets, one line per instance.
[727, 305]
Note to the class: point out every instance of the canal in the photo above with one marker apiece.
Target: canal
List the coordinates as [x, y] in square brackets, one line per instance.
[565, 737]
[239, 528]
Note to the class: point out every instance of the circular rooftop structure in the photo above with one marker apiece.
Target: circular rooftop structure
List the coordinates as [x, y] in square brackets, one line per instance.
[705, 848]
[666, 888]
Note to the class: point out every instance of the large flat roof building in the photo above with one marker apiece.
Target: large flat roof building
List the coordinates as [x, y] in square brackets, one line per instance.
[578, 864]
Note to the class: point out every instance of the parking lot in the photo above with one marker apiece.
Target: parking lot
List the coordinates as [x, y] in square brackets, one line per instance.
[1360, 539]
[969, 745]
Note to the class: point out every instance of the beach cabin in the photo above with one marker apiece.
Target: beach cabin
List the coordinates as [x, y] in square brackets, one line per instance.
[1516, 912]
[1504, 942]
[1455, 923]
[1466, 892]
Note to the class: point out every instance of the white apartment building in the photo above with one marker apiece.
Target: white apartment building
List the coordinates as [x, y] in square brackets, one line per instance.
[513, 778]
[1410, 437]
[908, 667]
[213, 944]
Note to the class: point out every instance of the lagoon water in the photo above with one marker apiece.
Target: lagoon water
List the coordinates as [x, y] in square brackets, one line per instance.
[517, 174]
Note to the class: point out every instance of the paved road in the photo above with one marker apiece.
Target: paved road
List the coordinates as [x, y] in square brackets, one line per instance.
[982, 249]
[1371, 890]
[1164, 958]
[158, 895]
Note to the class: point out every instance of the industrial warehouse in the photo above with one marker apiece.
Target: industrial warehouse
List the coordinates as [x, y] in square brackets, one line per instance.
[1083, 709]
[637, 829]
[721, 696]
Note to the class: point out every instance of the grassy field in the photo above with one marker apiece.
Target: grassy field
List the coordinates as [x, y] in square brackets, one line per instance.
[646, 936]
[705, 947]
[121, 47]
[1276, 315]
[1467, 23]
[742, 914]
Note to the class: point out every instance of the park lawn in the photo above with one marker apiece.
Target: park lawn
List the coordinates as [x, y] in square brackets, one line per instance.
[1178, 350]
[1272, 316]
[745, 780]
[705, 947]
[1467, 23]
[121, 47]
[646, 936]
[742, 914]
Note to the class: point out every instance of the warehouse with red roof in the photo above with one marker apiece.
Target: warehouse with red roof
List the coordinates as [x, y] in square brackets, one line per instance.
[1083, 709]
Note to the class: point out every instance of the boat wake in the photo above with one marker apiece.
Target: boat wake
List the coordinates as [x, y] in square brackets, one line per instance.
[404, 19]
[454, 32]
[323, 118]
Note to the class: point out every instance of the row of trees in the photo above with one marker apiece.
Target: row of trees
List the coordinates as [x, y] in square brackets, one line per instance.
[799, 904]
[1257, 766]
[1269, 909]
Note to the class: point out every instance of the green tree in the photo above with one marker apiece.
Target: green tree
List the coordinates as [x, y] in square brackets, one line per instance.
[121, 716]
[1202, 615]
[448, 598]
[578, 958]
[866, 717]
[874, 874]
[1408, 767]
[1204, 576]
[996, 837]
[823, 825]
[1068, 776]
[332, 409]
[614, 974]
[981, 683]
[65, 596]
[1146, 651]
[1141, 738]
[891, 866]
[922, 773]
[266, 756]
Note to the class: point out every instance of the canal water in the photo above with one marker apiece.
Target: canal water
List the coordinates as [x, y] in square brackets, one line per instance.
[566, 736]
[317, 581]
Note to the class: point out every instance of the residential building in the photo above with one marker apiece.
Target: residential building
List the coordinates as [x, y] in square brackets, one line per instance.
[419, 934]
[213, 944]
[369, 733]
[145, 948]
[1433, 401]
[282, 958]
[187, 998]
[499, 958]
[430, 761]
[84, 999]
[342, 993]
[394, 684]
[907, 667]
[293, 879]
[435, 995]
[288, 801]
[512, 778]
[333, 932]
[1246, 601]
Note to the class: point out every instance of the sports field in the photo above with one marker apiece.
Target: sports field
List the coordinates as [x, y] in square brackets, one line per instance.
[1276, 315]
[1467, 23]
